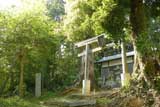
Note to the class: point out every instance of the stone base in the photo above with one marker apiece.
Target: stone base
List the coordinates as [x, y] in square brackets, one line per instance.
[125, 78]
[86, 87]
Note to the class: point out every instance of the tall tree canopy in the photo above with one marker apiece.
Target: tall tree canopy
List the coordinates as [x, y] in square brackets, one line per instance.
[55, 9]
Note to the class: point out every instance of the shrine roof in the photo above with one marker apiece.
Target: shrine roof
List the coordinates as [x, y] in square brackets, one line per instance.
[113, 57]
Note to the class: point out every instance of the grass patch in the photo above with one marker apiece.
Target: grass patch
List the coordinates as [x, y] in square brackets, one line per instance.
[17, 102]
[48, 95]
[103, 101]
[30, 100]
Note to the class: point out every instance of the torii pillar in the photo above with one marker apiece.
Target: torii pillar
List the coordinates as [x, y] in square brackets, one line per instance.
[88, 63]
[86, 82]
[125, 76]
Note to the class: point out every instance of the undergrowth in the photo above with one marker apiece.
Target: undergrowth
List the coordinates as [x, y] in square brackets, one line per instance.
[16, 102]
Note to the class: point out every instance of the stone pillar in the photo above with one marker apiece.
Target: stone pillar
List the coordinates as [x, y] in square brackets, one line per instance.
[38, 85]
[86, 87]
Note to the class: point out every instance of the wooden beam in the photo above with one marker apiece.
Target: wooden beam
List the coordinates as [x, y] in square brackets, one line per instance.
[88, 41]
[96, 49]
[110, 45]
[92, 51]
[86, 63]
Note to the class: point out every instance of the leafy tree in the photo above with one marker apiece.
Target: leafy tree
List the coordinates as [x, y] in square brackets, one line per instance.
[32, 42]
[147, 64]
[26, 34]
[55, 9]
[78, 24]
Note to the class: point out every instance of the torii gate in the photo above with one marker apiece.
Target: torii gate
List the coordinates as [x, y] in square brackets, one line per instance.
[88, 63]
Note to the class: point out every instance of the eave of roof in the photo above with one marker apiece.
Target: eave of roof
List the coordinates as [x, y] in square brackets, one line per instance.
[113, 57]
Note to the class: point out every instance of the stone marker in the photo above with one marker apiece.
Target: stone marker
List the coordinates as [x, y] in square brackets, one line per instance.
[38, 85]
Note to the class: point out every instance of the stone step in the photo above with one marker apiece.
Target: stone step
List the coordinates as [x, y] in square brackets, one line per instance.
[82, 103]
[71, 103]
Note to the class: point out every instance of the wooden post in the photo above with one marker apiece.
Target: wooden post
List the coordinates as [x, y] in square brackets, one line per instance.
[38, 85]
[86, 63]
[125, 76]
[124, 58]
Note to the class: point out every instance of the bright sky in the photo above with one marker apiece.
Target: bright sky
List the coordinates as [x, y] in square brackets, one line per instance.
[21, 5]
[8, 3]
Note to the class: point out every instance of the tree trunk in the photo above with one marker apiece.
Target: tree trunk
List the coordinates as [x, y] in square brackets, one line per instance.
[91, 70]
[12, 74]
[146, 67]
[3, 86]
[12, 85]
[21, 80]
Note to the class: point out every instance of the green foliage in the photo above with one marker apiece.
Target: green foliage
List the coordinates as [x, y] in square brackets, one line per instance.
[103, 101]
[55, 8]
[157, 85]
[93, 17]
[90, 18]
[150, 42]
[100, 14]
[35, 37]
[16, 102]
[31, 33]
[78, 24]
[47, 95]
[114, 22]
[154, 7]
